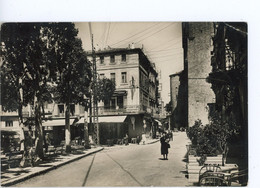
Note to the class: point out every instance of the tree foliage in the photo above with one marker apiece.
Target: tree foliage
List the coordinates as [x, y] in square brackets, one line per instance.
[213, 138]
[105, 89]
[42, 61]
[168, 107]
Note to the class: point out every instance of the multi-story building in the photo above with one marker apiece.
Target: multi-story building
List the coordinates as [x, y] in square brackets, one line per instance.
[161, 106]
[178, 88]
[134, 102]
[197, 46]
[229, 79]
[229, 72]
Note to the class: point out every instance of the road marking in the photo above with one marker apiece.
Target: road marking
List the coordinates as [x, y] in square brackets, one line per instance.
[125, 170]
[86, 177]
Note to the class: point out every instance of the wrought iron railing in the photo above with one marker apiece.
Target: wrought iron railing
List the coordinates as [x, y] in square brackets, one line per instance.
[128, 109]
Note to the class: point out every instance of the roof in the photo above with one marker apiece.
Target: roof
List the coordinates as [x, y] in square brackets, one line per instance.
[115, 50]
[176, 74]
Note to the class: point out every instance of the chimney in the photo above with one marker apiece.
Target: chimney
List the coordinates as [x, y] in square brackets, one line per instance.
[132, 46]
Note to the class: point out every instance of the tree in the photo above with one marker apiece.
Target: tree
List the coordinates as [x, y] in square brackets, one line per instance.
[168, 107]
[71, 68]
[24, 73]
[105, 89]
[41, 59]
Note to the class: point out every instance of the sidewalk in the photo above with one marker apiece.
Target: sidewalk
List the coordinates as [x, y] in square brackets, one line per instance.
[14, 175]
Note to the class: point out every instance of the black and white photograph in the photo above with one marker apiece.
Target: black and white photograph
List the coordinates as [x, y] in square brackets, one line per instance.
[124, 104]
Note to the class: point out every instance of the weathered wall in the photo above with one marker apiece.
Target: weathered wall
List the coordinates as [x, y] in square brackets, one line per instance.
[199, 67]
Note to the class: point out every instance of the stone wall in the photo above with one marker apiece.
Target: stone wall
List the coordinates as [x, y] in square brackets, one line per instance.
[199, 47]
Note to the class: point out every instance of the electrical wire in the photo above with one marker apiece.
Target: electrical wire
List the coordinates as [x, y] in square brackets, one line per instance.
[169, 49]
[108, 32]
[169, 46]
[155, 32]
[144, 30]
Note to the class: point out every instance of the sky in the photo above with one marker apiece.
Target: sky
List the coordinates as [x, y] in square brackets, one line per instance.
[161, 41]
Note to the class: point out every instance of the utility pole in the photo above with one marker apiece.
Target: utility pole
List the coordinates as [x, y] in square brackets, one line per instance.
[95, 105]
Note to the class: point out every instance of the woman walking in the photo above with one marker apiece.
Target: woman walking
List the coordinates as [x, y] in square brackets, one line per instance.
[164, 146]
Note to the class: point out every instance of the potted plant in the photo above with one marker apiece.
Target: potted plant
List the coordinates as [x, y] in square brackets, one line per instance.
[211, 140]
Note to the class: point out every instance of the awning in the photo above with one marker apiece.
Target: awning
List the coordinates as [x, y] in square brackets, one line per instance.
[112, 119]
[120, 93]
[159, 123]
[56, 122]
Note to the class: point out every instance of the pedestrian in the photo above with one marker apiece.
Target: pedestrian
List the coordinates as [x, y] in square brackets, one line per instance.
[143, 138]
[171, 135]
[164, 146]
[126, 139]
[138, 139]
[47, 141]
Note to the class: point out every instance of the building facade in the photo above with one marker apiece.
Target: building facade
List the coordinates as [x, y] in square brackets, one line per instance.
[135, 95]
[197, 45]
[179, 100]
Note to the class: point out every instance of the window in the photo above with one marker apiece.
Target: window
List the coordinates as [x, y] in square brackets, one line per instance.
[61, 110]
[72, 109]
[113, 103]
[124, 79]
[112, 59]
[9, 124]
[101, 59]
[113, 77]
[120, 101]
[101, 76]
[123, 57]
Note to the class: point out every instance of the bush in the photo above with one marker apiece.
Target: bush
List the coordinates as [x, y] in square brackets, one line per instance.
[9, 142]
[212, 138]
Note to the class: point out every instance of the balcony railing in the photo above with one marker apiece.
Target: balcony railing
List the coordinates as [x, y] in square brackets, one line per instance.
[128, 109]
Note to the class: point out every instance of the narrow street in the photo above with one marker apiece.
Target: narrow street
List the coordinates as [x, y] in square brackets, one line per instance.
[134, 165]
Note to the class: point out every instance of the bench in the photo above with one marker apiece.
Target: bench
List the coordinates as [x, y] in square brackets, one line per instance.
[224, 178]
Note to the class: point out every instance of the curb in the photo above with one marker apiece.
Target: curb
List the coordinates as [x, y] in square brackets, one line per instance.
[18, 180]
[153, 142]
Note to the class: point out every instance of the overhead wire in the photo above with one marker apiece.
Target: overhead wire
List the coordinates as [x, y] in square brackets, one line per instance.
[144, 30]
[169, 49]
[152, 33]
[155, 32]
[166, 45]
[108, 32]
[163, 56]
[103, 36]
[165, 51]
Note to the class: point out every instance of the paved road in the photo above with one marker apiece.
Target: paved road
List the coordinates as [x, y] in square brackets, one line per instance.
[136, 165]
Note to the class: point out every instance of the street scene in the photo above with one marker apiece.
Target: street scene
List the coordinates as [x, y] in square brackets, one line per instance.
[104, 104]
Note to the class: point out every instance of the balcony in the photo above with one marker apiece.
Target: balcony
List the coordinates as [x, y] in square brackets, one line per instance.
[129, 109]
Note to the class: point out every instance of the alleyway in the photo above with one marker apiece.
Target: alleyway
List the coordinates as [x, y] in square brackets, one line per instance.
[134, 165]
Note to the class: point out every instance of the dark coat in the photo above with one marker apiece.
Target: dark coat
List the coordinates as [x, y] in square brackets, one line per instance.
[164, 145]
